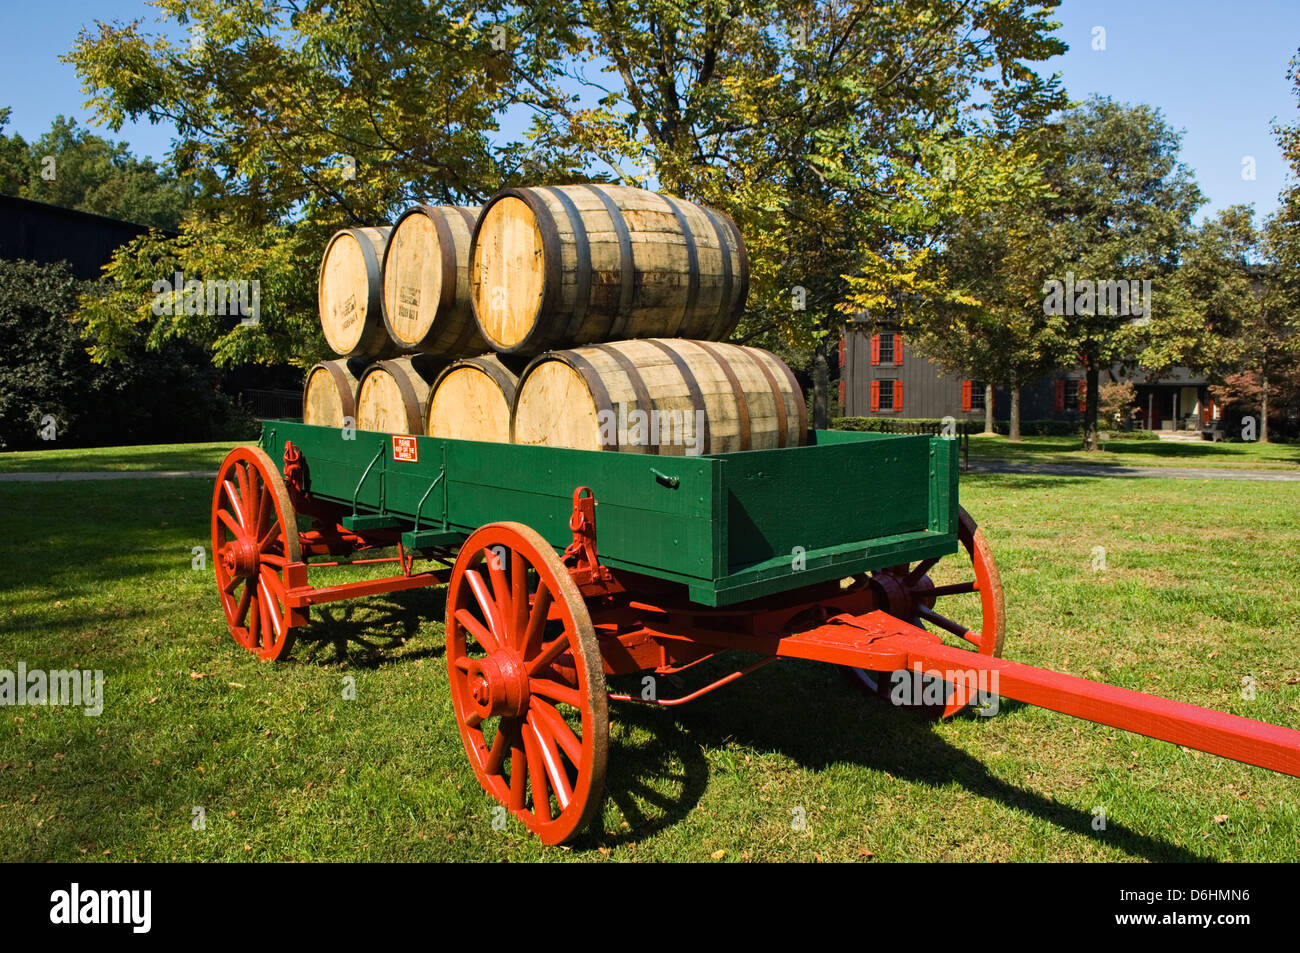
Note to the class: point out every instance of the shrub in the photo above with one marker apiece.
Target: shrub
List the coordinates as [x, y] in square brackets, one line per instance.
[1133, 435]
[169, 395]
[901, 424]
[1042, 428]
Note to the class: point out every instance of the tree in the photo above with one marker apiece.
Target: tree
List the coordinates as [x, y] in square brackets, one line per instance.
[972, 299]
[1117, 400]
[1226, 312]
[73, 168]
[1120, 216]
[794, 118]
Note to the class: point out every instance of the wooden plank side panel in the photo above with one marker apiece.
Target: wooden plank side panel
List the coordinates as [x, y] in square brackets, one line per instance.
[802, 499]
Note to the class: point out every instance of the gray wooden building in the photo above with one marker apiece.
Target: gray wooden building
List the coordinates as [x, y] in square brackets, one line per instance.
[880, 376]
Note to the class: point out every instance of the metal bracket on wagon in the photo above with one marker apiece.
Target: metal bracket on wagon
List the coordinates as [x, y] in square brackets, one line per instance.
[580, 556]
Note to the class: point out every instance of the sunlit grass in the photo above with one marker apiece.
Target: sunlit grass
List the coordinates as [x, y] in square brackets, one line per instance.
[788, 764]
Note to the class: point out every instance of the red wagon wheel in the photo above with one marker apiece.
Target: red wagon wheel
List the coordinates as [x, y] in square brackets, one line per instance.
[527, 680]
[254, 536]
[909, 594]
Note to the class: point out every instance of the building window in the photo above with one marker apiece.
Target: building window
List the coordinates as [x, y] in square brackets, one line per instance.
[976, 395]
[886, 395]
[1071, 393]
[887, 349]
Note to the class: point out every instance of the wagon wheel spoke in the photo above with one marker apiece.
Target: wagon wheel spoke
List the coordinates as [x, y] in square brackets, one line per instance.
[245, 504]
[955, 589]
[230, 523]
[536, 674]
[481, 635]
[232, 497]
[546, 714]
[549, 654]
[241, 610]
[487, 604]
[532, 637]
[919, 570]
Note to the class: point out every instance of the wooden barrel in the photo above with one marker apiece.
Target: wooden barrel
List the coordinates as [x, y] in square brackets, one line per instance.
[349, 291]
[426, 303]
[705, 398]
[392, 394]
[578, 264]
[472, 400]
[329, 394]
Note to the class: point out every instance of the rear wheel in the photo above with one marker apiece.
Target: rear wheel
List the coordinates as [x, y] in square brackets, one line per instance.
[908, 592]
[254, 537]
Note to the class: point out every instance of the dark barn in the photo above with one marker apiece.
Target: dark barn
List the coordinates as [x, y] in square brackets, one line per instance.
[34, 231]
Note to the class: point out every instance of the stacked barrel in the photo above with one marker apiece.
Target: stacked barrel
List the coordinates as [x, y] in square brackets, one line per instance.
[585, 316]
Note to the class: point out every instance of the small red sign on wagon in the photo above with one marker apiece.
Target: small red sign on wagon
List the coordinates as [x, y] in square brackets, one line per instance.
[405, 449]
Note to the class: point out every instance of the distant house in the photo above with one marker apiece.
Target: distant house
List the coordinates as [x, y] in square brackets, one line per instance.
[34, 231]
[881, 376]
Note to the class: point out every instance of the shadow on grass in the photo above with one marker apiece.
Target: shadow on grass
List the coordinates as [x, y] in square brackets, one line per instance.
[373, 632]
[809, 714]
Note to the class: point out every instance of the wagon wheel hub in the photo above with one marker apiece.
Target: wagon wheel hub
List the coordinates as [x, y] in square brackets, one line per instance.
[907, 592]
[241, 558]
[498, 685]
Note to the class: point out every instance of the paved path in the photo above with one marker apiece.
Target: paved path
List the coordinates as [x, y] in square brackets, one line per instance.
[1167, 473]
[53, 477]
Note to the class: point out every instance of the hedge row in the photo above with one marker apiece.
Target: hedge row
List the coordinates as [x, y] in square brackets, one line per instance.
[1028, 428]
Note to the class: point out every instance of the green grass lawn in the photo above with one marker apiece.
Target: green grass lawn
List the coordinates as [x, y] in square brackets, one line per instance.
[179, 456]
[1195, 596]
[1137, 453]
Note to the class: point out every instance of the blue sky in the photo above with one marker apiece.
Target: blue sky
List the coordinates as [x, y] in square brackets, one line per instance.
[1216, 69]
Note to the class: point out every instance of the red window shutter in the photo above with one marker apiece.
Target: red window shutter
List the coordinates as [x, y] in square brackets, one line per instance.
[898, 395]
[965, 395]
[1060, 395]
[1083, 396]
[875, 395]
[875, 349]
[843, 348]
[898, 350]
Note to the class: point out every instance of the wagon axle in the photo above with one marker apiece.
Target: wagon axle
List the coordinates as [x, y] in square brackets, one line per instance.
[535, 623]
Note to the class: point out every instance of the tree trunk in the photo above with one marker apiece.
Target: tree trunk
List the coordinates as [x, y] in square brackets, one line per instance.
[1013, 431]
[1090, 408]
[988, 408]
[821, 388]
[1263, 406]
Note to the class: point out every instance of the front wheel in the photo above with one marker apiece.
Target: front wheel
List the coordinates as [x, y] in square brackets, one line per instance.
[527, 680]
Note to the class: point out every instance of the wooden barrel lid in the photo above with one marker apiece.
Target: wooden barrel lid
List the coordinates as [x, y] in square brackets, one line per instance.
[472, 400]
[509, 250]
[348, 292]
